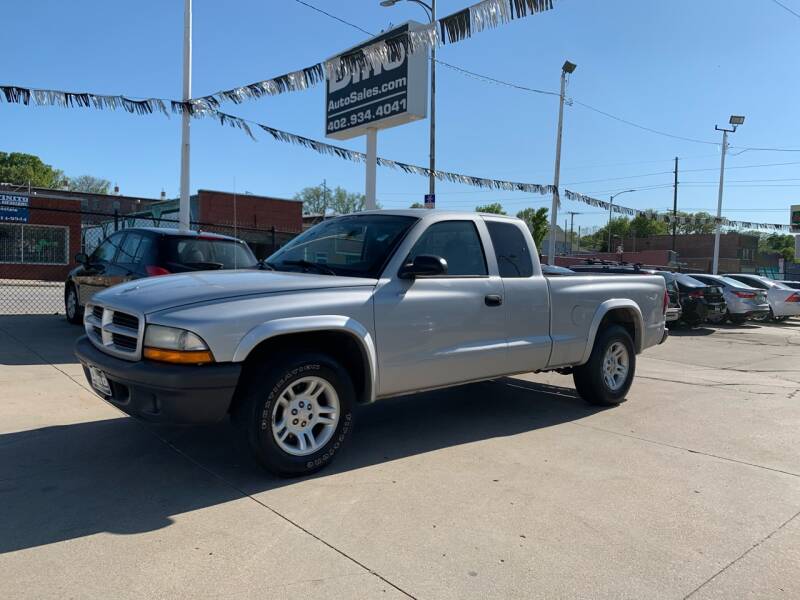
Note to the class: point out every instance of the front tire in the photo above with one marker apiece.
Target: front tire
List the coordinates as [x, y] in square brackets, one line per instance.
[72, 307]
[737, 319]
[297, 414]
[606, 378]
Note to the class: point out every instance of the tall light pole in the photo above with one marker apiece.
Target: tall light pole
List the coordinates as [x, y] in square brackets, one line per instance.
[430, 10]
[610, 204]
[735, 121]
[566, 69]
[183, 207]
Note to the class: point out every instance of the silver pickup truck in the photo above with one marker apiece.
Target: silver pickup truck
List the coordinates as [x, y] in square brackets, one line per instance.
[359, 308]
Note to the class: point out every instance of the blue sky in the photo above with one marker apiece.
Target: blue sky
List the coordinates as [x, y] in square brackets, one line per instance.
[680, 66]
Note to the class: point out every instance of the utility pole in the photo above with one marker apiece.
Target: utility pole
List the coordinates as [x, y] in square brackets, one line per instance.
[324, 198]
[734, 121]
[565, 235]
[675, 205]
[183, 207]
[572, 214]
[566, 69]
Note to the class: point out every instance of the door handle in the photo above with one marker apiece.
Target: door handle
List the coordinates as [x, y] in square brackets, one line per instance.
[493, 300]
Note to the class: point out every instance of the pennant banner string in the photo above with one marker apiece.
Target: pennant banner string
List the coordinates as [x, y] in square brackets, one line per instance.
[668, 218]
[487, 14]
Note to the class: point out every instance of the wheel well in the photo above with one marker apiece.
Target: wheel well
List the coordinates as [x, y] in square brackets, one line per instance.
[341, 346]
[626, 318]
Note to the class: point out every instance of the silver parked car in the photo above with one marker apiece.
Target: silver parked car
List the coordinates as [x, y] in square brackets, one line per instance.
[784, 302]
[744, 302]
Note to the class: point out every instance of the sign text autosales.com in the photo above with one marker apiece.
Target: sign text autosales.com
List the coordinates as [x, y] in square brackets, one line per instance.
[366, 93]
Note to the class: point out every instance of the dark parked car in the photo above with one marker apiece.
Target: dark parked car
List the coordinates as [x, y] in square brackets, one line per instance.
[147, 252]
[556, 270]
[699, 301]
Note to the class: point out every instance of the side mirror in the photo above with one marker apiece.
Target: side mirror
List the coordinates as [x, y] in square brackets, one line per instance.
[82, 258]
[423, 265]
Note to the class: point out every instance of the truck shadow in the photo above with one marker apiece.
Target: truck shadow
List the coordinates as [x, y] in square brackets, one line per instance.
[37, 340]
[122, 476]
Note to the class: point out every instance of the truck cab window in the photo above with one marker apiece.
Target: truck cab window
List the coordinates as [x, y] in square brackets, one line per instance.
[458, 243]
[511, 249]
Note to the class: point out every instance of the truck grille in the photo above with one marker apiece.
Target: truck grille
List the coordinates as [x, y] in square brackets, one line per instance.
[115, 332]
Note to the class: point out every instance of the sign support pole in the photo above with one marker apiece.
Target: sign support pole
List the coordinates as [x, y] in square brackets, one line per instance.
[372, 164]
[183, 208]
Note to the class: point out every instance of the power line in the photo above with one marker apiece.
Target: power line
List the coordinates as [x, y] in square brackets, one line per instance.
[327, 14]
[494, 80]
[786, 8]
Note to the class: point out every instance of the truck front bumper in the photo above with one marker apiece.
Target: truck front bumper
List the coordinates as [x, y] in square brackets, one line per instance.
[160, 392]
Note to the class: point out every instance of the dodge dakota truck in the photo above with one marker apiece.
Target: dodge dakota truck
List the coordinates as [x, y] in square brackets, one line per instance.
[359, 308]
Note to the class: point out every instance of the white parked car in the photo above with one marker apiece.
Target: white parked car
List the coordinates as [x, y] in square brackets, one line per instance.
[784, 302]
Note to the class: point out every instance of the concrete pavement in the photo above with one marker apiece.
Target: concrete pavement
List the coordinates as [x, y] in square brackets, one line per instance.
[512, 489]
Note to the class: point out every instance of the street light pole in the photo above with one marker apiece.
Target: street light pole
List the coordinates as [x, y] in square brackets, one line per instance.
[610, 204]
[430, 10]
[566, 69]
[183, 206]
[735, 121]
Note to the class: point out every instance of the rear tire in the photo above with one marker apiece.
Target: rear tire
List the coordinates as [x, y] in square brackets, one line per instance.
[297, 413]
[737, 319]
[72, 307]
[607, 376]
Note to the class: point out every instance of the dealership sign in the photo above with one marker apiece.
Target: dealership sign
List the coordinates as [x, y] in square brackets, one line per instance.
[13, 208]
[391, 93]
[794, 218]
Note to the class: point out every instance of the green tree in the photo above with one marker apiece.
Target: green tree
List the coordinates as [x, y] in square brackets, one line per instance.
[18, 168]
[494, 208]
[318, 199]
[537, 222]
[643, 226]
[417, 205]
[695, 228]
[89, 184]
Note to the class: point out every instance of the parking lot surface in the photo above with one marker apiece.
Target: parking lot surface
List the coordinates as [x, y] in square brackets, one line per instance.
[513, 488]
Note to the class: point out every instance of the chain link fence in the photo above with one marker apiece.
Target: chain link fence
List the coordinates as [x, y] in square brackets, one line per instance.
[37, 256]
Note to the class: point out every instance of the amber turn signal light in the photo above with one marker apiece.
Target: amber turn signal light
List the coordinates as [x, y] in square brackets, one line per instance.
[190, 357]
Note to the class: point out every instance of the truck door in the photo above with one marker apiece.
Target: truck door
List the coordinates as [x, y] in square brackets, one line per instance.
[434, 331]
[527, 298]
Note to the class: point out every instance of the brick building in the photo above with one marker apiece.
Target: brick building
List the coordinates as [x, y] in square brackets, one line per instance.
[39, 235]
[737, 251]
[106, 204]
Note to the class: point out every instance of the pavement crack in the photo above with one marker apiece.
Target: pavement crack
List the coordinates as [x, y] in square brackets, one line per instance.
[741, 556]
[691, 450]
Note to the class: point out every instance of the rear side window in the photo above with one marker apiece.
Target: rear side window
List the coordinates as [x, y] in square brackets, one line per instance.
[207, 254]
[458, 243]
[511, 250]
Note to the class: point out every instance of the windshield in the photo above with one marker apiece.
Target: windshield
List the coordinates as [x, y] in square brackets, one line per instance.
[202, 254]
[356, 246]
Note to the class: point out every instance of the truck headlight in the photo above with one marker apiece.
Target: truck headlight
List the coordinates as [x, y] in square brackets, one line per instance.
[170, 344]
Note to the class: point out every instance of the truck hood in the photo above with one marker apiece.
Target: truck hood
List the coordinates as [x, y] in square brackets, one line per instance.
[170, 291]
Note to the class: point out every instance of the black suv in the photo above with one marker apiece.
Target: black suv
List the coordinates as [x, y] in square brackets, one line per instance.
[146, 252]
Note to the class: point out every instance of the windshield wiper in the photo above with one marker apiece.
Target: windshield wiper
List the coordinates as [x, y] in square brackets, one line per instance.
[307, 264]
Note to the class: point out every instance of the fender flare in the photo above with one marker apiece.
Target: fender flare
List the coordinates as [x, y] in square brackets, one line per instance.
[340, 323]
[605, 308]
